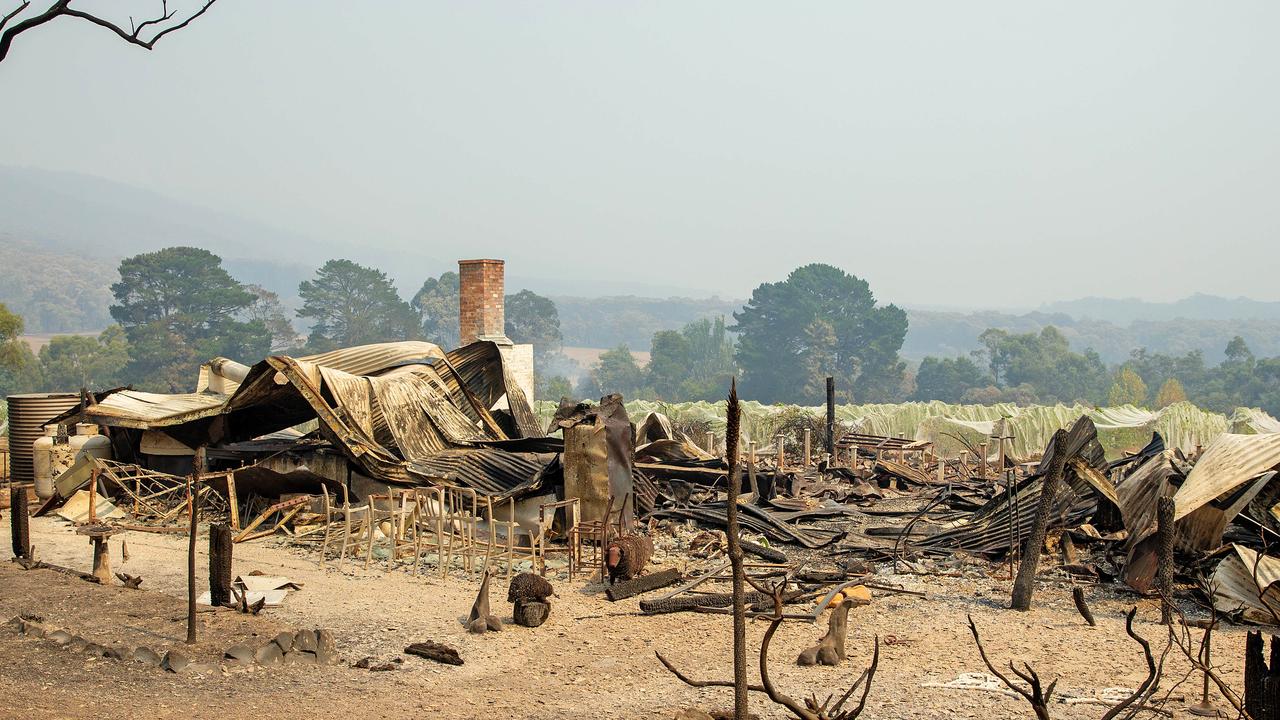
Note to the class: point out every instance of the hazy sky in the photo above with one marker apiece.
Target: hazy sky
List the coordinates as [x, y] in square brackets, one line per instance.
[957, 153]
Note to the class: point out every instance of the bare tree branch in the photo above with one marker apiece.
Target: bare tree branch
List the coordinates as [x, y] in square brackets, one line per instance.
[133, 36]
[5, 20]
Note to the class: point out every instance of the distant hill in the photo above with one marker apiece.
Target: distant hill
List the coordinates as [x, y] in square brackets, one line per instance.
[91, 223]
[1195, 307]
[948, 334]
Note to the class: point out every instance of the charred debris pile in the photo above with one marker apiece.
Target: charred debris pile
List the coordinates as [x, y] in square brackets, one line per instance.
[403, 454]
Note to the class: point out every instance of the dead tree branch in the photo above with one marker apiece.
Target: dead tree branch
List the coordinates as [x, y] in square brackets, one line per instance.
[811, 709]
[144, 34]
[1034, 694]
[1148, 686]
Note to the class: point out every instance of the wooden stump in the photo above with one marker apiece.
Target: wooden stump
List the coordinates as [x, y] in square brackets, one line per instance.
[101, 561]
[531, 613]
[19, 522]
[220, 545]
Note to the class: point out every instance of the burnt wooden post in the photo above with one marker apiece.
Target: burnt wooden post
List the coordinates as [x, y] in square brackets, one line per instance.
[193, 490]
[1024, 584]
[1164, 563]
[831, 417]
[732, 417]
[220, 564]
[19, 522]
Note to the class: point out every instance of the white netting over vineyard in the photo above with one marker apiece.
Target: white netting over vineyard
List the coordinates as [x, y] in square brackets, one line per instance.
[951, 427]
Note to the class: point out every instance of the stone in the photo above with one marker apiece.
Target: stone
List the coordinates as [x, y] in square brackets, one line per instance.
[305, 640]
[34, 629]
[269, 654]
[146, 656]
[174, 662]
[240, 654]
[285, 641]
[326, 647]
[531, 613]
[77, 644]
[94, 649]
[58, 637]
[303, 657]
[201, 668]
[693, 714]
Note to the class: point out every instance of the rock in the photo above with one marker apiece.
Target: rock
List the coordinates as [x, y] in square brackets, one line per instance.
[326, 647]
[174, 662]
[201, 668]
[34, 629]
[269, 654]
[305, 640]
[290, 658]
[303, 657]
[240, 654]
[285, 641]
[77, 644]
[15, 623]
[146, 656]
[693, 714]
[58, 637]
[94, 649]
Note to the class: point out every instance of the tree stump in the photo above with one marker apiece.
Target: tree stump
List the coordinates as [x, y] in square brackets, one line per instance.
[19, 522]
[220, 564]
[531, 613]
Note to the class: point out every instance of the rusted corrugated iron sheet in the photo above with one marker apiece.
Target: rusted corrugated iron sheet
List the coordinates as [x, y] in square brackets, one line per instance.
[1248, 583]
[990, 529]
[1229, 474]
[372, 359]
[143, 410]
[490, 472]
[1228, 463]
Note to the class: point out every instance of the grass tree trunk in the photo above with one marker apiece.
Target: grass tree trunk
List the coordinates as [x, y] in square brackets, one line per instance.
[1024, 584]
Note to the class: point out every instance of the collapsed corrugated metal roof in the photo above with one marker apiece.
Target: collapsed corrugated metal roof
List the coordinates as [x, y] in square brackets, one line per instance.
[387, 405]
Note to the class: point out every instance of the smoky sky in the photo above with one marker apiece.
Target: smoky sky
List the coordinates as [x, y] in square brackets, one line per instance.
[968, 154]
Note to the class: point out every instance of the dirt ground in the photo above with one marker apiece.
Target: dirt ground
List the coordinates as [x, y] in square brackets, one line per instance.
[592, 659]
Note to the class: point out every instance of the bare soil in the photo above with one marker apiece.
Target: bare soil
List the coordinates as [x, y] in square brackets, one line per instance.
[592, 659]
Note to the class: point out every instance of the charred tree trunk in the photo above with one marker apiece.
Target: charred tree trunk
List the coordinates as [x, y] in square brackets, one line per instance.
[1261, 683]
[735, 559]
[1164, 566]
[19, 522]
[1024, 585]
[220, 564]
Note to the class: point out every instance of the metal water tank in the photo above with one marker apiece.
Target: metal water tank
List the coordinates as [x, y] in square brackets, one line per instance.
[28, 414]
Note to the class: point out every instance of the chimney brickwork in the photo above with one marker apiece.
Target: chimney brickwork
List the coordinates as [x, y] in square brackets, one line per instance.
[481, 300]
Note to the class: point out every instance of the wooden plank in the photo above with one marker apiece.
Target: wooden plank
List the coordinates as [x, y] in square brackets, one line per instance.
[231, 500]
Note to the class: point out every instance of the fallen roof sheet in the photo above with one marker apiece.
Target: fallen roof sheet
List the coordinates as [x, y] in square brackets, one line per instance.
[1229, 462]
[1248, 583]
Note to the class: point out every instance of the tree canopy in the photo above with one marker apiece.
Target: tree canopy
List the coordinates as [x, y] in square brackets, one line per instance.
[948, 379]
[436, 303]
[819, 321]
[83, 361]
[179, 307]
[351, 304]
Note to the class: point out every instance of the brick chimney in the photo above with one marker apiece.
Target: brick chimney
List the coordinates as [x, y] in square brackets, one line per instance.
[481, 301]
